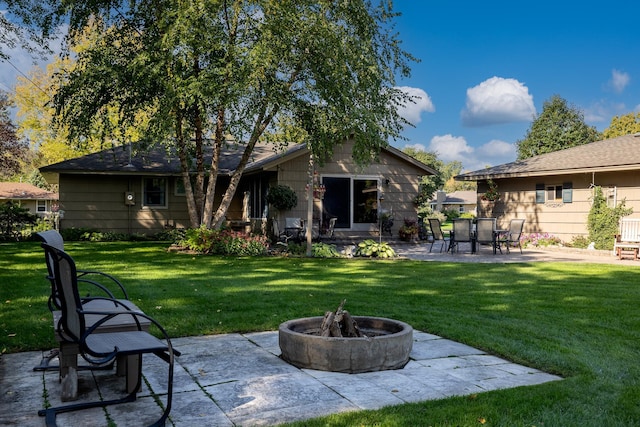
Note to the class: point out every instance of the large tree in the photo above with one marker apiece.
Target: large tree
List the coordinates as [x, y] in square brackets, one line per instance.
[13, 152]
[211, 72]
[559, 126]
[623, 125]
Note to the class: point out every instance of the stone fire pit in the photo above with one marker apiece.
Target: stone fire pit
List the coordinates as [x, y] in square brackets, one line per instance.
[386, 345]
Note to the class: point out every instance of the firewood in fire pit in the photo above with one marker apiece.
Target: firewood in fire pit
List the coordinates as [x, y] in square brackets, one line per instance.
[339, 323]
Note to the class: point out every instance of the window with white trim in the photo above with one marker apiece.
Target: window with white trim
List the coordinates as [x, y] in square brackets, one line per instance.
[154, 192]
[41, 205]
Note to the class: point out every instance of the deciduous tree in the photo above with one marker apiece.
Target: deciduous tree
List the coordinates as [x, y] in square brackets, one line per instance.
[623, 125]
[559, 126]
[13, 152]
[209, 72]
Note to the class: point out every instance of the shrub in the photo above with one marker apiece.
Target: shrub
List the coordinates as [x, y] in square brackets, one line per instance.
[580, 242]
[282, 197]
[323, 250]
[451, 214]
[174, 235]
[603, 221]
[371, 248]
[13, 219]
[224, 242]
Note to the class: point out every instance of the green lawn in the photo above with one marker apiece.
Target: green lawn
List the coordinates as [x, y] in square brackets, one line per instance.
[581, 321]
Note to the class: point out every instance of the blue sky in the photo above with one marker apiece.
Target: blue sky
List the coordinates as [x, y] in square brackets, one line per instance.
[487, 67]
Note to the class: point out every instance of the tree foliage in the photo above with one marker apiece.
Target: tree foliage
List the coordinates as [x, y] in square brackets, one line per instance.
[602, 222]
[207, 72]
[429, 184]
[622, 125]
[13, 152]
[559, 126]
[26, 24]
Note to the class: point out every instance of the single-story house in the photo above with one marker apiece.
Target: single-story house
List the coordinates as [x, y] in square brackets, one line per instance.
[119, 191]
[553, 191]
[38, 201]
[460, 201]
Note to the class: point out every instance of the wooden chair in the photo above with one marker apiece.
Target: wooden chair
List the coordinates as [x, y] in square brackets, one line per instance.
[437, 235]
[486, 234]
[78, 325]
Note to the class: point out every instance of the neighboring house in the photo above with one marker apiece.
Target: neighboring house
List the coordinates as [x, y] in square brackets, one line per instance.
[38, 201]
[553, 191]
[143, 192]
[460, 201]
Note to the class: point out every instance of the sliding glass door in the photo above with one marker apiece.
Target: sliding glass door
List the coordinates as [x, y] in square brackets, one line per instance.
[353, 200]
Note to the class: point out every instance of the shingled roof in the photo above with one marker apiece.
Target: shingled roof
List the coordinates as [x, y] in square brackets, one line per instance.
[24, 191]
[615, 154]
[159, 161]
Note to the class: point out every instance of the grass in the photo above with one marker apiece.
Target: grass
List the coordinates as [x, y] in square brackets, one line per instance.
[580, 321]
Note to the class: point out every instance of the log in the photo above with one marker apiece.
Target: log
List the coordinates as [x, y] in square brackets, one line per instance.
[326, 324]
[349, 326]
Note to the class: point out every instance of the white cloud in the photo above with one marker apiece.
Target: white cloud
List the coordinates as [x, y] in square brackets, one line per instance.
[450, 148]
[412, 111]
[496, 101]
[619, 80]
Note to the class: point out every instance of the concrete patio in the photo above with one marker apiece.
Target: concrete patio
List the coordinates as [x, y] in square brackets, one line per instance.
[238, 379]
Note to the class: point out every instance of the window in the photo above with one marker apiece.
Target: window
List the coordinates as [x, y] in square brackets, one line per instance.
[155, 192]
[554, 193]
[41, 205]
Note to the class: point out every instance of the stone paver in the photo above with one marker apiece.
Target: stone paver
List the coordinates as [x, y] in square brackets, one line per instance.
[238, 379]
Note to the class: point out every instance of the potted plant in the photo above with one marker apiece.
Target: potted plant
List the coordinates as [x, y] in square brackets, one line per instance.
[492, 194]
[282, 197]
[408, 230]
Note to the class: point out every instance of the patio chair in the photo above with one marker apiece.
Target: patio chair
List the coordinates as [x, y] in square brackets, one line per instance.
[461, 233]
[512, 236]
[437, 235]
[486, 234]
[328, 233]
[67, 354]
[293, 228]
[78, 325]
[99, 281]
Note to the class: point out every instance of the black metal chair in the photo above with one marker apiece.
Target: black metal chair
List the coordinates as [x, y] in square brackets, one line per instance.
[486, 234]
[79, 325]
[101, 282]
[512, 237]
[94, 283]
[437, 235]
[461, 233]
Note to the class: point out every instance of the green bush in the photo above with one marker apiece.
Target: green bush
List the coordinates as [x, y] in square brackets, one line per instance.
[224, 242]
[451, 214]
[282, 197]
[13, 219]
[323, 250]
[371, 248]
[580, 242]
[603, 221]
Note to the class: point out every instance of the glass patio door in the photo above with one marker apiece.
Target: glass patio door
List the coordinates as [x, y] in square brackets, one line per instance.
[354, 201]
